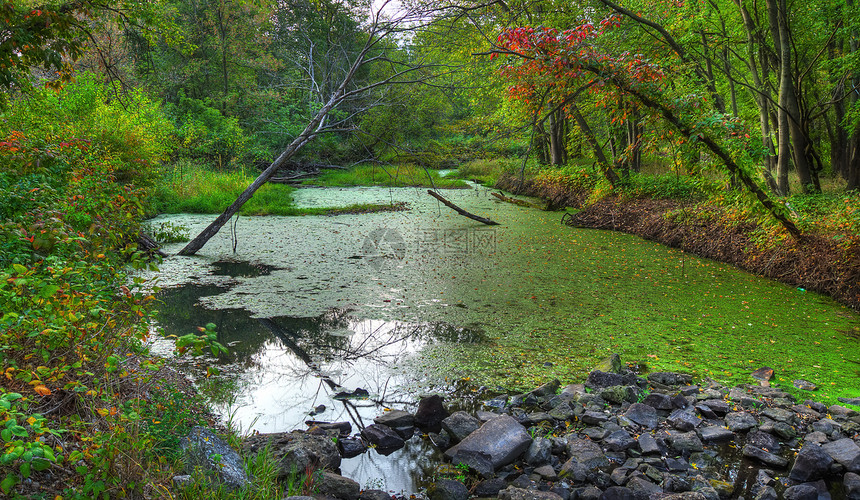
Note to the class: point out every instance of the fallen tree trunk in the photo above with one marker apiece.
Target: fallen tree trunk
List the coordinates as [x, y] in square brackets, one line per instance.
[460, 210]
[508, 199]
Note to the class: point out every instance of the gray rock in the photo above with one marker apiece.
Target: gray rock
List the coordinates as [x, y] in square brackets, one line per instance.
[784, 430]
[503, 438]
[714, 433]
[686, 495]
[801, 492]
[811, 464]
[647, 444]
[764, 440]
[642, 487]
[342, 428]
[676, 464]
[478, 461]
[337, 486]
[766, 493]
[430, 413]
[460, 424]
[846, 452]
[596, 433]
[851, 486]
[685, 441]
[779, 414]
[298, 450]
[815, 437]
[374, 495]
[514, 493]
[448, 489]
[709, 493]
[670, 378]
[396, 418]
[740, 421]
[563, 411]
[619, 440]
[586, 453]
[764, 456]
[383, 437]
[539, 452]
[805, 385]
[546, 472]
[643, 415]
[547, 389]
[594, 417]
[574, 471]
[490, 487]
[618, 493]
[658, 401]
[351, 447]
[203, 449]
[618, 394]
[183, 480]
[718, 406]
[684, 420]
[850, 401]
[599, 380]
[441, 440]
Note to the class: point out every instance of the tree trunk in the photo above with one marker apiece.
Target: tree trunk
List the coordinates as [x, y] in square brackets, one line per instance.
[605, 166]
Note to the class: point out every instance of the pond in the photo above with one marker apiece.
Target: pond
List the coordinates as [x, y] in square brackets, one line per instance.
[398, 304]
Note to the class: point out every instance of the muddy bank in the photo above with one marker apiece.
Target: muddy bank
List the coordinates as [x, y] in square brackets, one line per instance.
[817, 263]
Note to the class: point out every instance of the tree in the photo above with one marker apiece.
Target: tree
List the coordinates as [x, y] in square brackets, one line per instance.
[373, 52]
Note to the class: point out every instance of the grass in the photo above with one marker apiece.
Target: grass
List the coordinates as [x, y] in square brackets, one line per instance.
[189, 188]
[487, 171]
[407, 175]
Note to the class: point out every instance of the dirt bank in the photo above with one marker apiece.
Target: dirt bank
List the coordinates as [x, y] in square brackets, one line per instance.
[817, 263]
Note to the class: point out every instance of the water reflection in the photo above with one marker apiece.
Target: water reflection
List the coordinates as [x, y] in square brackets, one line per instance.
[285, 371]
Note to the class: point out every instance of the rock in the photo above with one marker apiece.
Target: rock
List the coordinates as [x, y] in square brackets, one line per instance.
[685, 441]
[766, 493]
[342, 428]
[599, 380]
[804, 385]
[837, 410]
[441, 440]
[430, 413]
[334, 485]
[586, 453]
[851, 485]
[618, 394]
[677, 464]
[849, 401]
[670, 378]
[801, 492]
[815, 437]
[612, 364]
[594, 417]
[642, 487]
[780, 415]
[811, 463]
[724, 488]
[740, 421]
[460, 424]
[374, 495]
[298, 450]
[546, 472]
[658, 401]
[713, 433]
[383, 437]
[785, 431]
[619, 440]
[643, 415]
[448, 489]
[183, 480]
[687, 495]
[573, 390]
[539, 452]
[764, 440]
[548, 389]
[684, 420]
[478, 461]
[618, 493]
[718, 406]
[846, 452]
[490, 487]
[503, 438]
[589, 493]
[358, 393]
[647, 444]
[350, 447]
[513, 493]
[396, 418]
[563, 411]
[764, 374]
[595, 433]
[764, 456]
[203, 449]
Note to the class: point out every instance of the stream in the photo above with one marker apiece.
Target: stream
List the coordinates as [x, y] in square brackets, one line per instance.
[400, 304]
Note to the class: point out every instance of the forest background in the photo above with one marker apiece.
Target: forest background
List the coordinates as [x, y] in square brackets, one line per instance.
[725, 118]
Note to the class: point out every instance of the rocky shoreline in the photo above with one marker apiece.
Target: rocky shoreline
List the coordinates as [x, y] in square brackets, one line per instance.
[617, 436]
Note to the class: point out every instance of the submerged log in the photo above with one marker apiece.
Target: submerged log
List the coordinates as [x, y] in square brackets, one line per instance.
[150, 246]
[515, 201]
[460, 210]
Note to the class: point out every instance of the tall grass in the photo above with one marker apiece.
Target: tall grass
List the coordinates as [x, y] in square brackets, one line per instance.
[406, 175]
[191, 188]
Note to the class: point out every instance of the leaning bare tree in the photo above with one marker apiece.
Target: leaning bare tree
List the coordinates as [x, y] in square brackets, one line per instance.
[382, 32]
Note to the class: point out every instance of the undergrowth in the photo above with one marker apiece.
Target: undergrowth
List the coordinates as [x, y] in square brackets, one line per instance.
[404, 175]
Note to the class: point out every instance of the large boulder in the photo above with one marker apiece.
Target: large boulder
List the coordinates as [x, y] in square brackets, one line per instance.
[846, 452]
[503, 438]
[334, 485]
[383, 437]
[430, 413]
[460, 424]
[812, 463]
[448, 489]
[203, 449]
[297, 450]
[643, 415]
